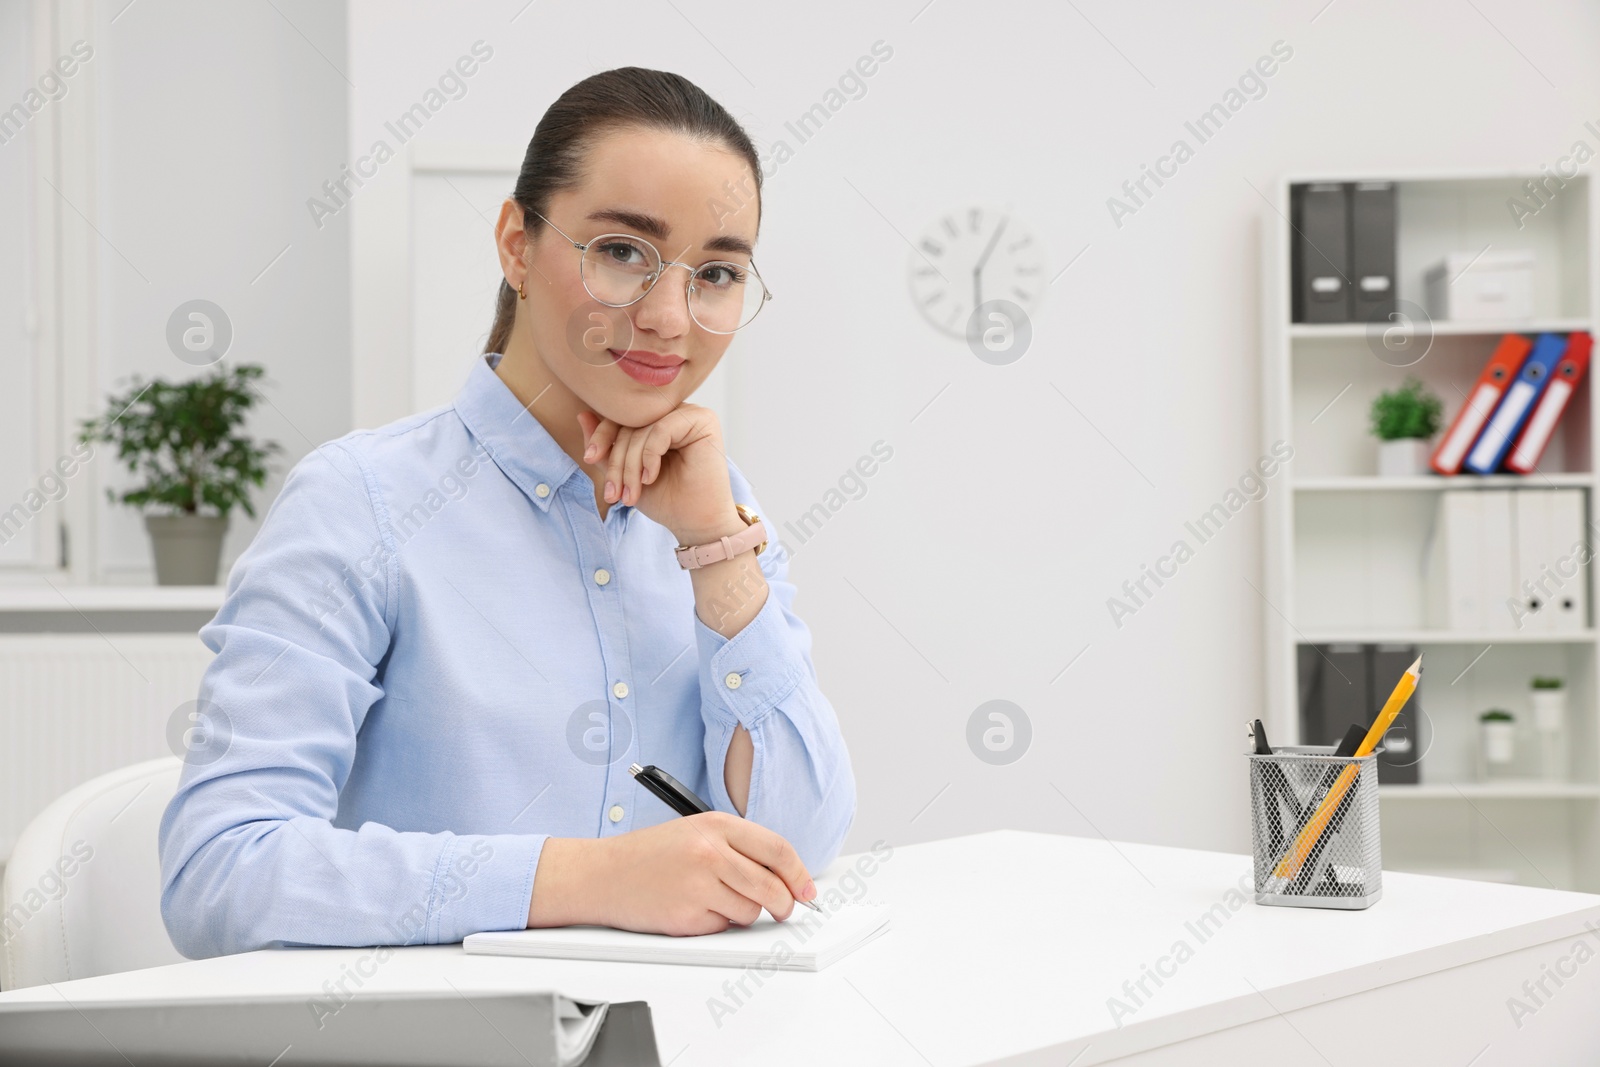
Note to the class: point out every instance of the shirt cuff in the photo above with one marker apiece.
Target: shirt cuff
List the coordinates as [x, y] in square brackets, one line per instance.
[744, 677]
[483, 882]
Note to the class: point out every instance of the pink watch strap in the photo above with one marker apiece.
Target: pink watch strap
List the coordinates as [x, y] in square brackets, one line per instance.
[693, 556]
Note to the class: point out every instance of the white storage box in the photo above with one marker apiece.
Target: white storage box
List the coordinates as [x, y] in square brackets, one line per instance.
[1494, 285]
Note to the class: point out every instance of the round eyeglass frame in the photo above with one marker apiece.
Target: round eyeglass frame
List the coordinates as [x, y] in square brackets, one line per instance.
[583, 249]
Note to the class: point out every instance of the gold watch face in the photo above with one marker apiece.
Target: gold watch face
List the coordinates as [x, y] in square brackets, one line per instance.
[750, 519]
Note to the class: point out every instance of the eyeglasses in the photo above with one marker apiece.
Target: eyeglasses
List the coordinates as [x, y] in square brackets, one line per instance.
[619, 269]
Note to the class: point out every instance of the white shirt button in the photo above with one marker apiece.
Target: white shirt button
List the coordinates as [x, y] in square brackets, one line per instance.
[620, 690]
[602, 576]
[615, 814]
[733, 680]
[541, 490]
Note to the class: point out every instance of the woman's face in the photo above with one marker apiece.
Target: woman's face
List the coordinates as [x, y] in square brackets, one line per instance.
[695, 201]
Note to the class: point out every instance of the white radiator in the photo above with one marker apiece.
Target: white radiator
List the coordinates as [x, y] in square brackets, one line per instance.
[75, 706]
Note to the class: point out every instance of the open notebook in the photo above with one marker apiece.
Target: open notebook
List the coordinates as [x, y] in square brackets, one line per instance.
[806, 942]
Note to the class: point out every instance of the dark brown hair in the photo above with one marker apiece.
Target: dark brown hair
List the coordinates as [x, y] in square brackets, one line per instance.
[626, 96]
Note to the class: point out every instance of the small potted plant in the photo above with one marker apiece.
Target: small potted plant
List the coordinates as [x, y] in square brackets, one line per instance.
[1549, 703]
[1550, 718]
[184, 440]
[1403, 420]
[1497, 740]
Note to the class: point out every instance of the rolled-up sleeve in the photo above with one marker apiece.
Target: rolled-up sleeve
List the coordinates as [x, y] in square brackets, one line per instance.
[802, 785]
[250, 855]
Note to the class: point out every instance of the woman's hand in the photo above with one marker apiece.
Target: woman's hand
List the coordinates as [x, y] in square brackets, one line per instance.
[690, 875]
[674, 470]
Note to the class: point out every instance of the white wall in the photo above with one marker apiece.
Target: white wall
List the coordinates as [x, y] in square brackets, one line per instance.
[978, 564]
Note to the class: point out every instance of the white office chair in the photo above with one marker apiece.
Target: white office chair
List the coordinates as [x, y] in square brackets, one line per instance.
[105, 916]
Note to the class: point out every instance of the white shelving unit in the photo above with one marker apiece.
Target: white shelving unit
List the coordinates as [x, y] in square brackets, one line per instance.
[1491, 791]
[1382, 635]
[1344, 547]
[1345, 330]
[1366, 483]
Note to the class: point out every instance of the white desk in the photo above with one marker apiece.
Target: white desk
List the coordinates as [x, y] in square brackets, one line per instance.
[1040, 932]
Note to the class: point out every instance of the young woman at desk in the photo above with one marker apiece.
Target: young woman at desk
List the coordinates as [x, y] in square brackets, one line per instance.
[454, 634]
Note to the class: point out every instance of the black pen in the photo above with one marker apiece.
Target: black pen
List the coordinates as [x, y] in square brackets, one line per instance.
[680, 798]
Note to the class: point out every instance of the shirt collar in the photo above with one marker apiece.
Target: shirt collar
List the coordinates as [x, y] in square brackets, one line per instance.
[516, 441]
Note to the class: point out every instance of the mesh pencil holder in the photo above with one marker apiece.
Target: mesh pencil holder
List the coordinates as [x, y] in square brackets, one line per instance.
[1314, 828]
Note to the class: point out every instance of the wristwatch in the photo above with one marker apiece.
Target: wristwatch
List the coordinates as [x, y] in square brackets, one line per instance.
[754, 535]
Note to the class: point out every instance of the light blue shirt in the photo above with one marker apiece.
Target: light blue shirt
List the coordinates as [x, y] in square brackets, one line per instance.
[435, 655]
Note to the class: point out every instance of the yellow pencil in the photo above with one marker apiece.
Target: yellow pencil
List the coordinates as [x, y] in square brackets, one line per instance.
[1290, 864]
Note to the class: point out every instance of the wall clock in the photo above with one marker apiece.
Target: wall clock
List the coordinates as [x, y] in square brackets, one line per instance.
[969, 256]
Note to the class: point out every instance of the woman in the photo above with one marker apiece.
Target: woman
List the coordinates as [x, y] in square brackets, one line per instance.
[454, 634]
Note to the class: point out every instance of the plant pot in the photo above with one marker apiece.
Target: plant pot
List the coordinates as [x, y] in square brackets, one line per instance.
[1549, 710]
[188, 548]
[1499, 742]
[1405, 458]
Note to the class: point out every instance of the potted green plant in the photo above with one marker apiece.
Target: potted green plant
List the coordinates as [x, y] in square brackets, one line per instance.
[1549, 697]
[1497, 740]
[1403, 420]
[183, 439]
